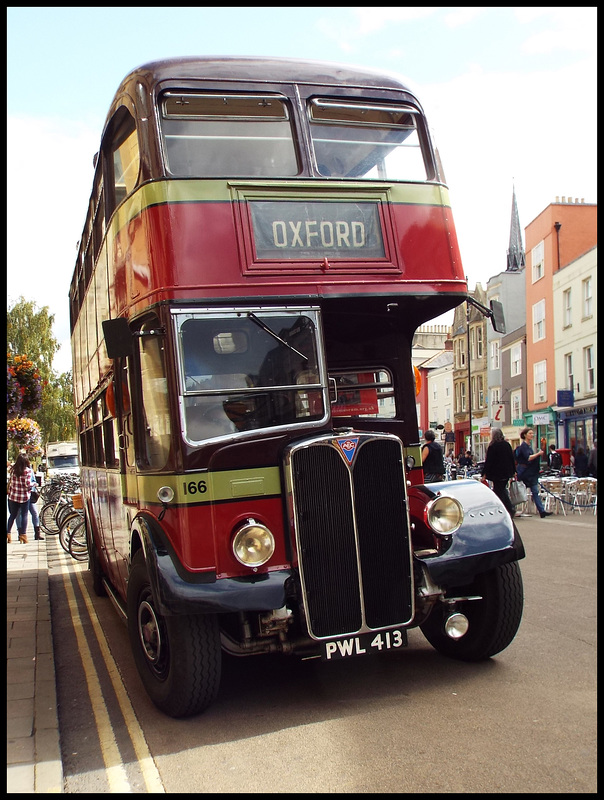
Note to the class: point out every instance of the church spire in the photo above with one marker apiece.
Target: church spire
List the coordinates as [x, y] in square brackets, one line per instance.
[516, 250]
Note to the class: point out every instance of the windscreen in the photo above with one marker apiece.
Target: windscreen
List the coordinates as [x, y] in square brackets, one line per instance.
[248, 371]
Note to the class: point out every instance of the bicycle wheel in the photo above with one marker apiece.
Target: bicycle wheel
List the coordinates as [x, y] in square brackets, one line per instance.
[67, 526]
[64, 510]
[78, 544]
[47, 518]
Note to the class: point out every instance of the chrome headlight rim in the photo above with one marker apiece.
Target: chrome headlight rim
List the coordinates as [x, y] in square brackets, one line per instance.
[253, 544]
[165, 494]
[444, 514]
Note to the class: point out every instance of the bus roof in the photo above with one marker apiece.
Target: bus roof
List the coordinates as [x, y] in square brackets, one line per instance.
[260, 69]
[274, 69]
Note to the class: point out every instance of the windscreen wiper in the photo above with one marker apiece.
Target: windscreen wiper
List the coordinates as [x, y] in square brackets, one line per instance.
[272, 333]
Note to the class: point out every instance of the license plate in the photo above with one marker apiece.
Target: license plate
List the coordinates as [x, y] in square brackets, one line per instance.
[363, 644]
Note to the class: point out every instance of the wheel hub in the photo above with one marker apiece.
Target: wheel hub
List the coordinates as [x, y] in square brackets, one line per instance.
[149, 632]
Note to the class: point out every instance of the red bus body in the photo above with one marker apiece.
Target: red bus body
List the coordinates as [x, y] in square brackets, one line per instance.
[252, 271]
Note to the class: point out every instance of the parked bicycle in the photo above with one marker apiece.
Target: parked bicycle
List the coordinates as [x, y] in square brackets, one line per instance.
[57, 494]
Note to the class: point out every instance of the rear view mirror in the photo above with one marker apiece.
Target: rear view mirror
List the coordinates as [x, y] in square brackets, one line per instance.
[118, 337]
[497, 316]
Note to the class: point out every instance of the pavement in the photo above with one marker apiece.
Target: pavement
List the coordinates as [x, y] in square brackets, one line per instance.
[33, 747]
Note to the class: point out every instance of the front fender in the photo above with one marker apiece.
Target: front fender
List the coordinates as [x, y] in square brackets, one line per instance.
[487, 537]
[178, 591]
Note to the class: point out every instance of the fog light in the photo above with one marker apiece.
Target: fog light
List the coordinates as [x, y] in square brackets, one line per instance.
[444, 514]
[253, 544]
[456, 625]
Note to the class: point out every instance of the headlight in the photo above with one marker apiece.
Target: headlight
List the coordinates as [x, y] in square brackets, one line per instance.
[253, 544]
[165, 494]
[444, 515]
[410, 462]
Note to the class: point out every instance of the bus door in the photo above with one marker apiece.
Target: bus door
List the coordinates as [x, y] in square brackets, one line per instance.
[121, 485]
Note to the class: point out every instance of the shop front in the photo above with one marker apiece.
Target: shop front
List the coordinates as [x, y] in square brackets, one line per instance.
[577, 425]
[544, 425]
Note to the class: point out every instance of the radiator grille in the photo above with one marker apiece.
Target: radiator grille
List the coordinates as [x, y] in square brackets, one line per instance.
[352, 536]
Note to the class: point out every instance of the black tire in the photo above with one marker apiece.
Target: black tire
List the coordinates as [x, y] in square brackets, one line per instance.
[67, 524]
[494, 620]
[47, 518]
[94, 565]
[78, 546]
[178, 657]
[63, 511]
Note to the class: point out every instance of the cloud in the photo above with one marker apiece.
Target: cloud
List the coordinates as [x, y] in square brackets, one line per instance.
[494, 130]
[354, 24]
[564, 29]
[49, 175]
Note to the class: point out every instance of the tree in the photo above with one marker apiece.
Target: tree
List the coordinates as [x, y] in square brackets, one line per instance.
[57, 417]
[29, 331]
[30, 377]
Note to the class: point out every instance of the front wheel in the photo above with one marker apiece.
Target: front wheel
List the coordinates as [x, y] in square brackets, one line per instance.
[47, 518]
[178, 657]
[493, 621]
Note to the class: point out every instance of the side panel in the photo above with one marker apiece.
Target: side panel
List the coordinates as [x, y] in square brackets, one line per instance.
[191, 239]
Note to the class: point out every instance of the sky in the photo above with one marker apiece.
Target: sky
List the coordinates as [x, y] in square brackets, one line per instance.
[510, 95]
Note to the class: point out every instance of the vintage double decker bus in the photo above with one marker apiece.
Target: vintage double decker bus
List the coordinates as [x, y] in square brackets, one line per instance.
[263, 238]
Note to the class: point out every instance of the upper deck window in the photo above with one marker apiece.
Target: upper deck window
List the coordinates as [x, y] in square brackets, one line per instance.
[225, 135]
[366, 141]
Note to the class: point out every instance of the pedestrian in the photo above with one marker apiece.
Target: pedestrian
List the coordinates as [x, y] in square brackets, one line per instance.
[554, 459]
[592, 461]
[527, 468]
[432, 458]
[465, 460]
[581, 461]
[20, 485]
[499, 466]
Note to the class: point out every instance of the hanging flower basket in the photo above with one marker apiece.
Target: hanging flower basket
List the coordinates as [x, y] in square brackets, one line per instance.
[28, 382]
[25, 434]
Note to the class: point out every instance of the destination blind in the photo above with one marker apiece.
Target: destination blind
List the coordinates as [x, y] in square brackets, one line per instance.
[316, 229]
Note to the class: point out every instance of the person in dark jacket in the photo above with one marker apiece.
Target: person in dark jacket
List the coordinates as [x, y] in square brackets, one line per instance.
[433, 461]
[592, 461]
[499, 467]
[581, 459]
[527, 468]
[466, 460]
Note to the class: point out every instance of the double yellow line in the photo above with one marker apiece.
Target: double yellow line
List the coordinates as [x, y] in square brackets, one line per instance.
[114, 767]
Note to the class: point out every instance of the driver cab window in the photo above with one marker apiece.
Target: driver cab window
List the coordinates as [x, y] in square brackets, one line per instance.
[244, 372]
[156, 411]
[363, 393]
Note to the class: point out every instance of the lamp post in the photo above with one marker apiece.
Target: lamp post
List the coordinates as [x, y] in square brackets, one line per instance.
[497, 318]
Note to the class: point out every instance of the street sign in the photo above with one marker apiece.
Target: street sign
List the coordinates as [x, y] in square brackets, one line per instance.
[498, 415]
[565, 397]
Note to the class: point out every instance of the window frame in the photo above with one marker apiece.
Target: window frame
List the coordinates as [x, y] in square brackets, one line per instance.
[538, 312]
[537, 262]
[540, 380]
